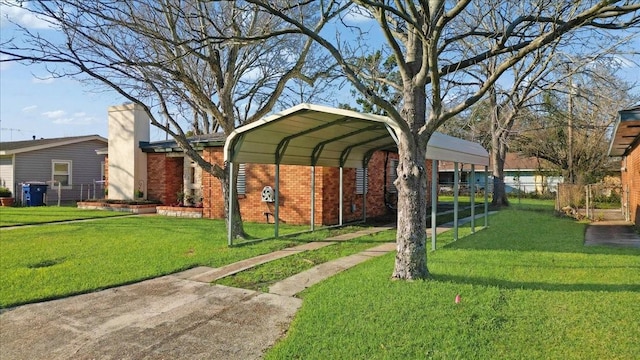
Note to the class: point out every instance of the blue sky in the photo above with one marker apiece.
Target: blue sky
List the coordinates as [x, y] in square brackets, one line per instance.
[34, 104]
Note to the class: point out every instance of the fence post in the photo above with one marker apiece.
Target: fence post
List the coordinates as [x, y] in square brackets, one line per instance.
[586, 202]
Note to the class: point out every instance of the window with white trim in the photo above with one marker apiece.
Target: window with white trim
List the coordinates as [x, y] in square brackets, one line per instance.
[61, 171]
[362, 181]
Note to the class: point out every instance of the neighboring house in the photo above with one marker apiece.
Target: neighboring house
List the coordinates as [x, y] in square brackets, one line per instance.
[625, 143]
[71, 162]
[524, 174]
[160, 170]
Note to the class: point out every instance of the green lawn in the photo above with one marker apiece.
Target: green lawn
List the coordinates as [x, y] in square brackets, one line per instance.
[57, 260]
[529, 289]
[12, 216]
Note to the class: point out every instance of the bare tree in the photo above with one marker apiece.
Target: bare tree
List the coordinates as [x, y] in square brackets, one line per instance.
[530, 77]
[425, 40]
[597, 95]
[196, 67]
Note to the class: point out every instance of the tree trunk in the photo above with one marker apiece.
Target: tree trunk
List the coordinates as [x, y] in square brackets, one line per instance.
[498, 153]
[237, 228]
[411, 256]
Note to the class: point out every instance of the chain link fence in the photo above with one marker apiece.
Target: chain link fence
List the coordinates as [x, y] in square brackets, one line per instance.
[600, 201]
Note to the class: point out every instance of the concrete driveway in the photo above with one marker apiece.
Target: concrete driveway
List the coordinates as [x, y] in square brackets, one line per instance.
[612, 233]
[163, 318]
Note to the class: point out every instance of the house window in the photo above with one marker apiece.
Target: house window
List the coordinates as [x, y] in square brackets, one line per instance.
[393, 175]
[241, 181]
[362, 181]
[61, 172]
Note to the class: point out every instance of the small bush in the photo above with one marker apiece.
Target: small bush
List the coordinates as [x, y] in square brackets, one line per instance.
[5, 192]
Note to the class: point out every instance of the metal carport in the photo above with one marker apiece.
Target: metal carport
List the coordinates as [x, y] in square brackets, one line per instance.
[314, 135]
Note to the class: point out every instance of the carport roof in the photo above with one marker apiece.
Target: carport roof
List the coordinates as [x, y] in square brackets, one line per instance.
[318, 135]
[626, 132]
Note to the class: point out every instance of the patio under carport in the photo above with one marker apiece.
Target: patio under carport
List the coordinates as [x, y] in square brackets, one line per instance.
[314, 135]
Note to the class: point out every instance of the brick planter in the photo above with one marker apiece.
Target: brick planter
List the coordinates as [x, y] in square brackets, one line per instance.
[179, 211]
[134, 209]
[7, 201]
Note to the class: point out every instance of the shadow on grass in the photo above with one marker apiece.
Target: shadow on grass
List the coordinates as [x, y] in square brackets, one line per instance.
[517, 285]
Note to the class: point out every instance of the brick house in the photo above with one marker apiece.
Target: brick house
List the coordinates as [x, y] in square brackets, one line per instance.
[625, 143]
[161, 170]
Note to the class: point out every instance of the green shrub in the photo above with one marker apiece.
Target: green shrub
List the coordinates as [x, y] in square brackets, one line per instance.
[5, 192]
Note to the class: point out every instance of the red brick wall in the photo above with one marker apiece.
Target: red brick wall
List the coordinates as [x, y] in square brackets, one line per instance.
[631, 182]
[295, 190]
[375, 191]
[212, 199]
[164, 177]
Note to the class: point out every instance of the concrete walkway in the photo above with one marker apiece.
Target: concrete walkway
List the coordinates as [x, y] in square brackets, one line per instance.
[180, 316]
[612, 233]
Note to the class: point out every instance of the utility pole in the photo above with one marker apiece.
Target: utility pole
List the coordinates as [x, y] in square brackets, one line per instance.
[570, 133]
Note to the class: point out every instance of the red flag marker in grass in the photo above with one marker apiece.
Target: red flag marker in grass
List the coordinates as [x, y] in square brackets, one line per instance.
[457, 301]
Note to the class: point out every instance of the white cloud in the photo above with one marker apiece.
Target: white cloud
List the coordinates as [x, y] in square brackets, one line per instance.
[54, 114]
[43, 80]
[60, 117]
[76, 120]
[358, 15]
[29, 109]
[13, 11]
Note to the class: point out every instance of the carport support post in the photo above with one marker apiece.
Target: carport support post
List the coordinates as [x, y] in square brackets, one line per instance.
[486, 196]
[313, 197]
[341, 201]
[364, 193]
[472, 197]
[456, 188]
[230, 207]
[276, 212]
[434, 202]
